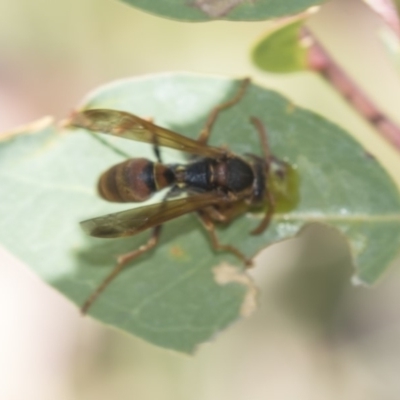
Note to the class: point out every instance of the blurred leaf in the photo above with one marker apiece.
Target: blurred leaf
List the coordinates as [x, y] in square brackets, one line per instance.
[280, 50]
[174, 296]
[236, 10]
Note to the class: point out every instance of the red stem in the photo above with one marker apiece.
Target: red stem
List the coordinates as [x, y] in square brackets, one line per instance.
[320, 61]
[387, 9]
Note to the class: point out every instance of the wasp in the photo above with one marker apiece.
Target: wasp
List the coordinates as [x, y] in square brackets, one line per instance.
[217, 184]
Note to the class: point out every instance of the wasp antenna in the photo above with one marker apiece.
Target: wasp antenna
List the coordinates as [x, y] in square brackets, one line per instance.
[263, 137]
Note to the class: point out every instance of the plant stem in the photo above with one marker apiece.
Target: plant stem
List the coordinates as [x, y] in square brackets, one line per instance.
[320, 61]
[388, 10]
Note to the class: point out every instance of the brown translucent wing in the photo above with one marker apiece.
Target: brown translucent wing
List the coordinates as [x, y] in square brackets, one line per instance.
[131, 222]
[129, 126]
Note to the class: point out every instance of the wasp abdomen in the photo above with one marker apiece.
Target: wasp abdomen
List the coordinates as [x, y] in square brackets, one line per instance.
[134, 180]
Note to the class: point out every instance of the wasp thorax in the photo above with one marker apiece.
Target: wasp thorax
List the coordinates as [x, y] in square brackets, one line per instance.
[234, 174]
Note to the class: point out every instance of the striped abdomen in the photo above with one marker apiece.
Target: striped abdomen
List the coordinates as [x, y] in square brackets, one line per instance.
[134, 180]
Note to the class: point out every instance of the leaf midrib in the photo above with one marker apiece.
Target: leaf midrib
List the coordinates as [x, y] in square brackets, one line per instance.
[312, 217]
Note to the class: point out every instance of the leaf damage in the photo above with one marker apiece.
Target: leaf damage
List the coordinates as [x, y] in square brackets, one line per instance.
[225, 274]
[217, 8]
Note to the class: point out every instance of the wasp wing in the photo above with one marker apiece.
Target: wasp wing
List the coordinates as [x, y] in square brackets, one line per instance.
[131, 222]
[129, 126]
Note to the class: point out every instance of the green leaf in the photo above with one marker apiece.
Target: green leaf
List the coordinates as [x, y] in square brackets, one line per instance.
[281, 51]
[182, 293]
[235, 10]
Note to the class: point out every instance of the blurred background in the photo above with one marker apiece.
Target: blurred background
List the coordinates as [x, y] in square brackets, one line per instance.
[314, 336]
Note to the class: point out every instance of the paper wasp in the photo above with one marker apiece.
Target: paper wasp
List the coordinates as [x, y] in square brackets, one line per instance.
[218, 184]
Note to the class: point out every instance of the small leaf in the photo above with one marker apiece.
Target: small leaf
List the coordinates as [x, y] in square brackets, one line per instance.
[281, 50]
[182, 293]
[236, 10]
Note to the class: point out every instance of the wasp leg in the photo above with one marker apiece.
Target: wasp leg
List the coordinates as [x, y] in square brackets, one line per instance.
[268, 214]
[206, 131]
[263, 139]
[156, 147]
[209, 225]
[215, 214]
[123, 260]
[267, 155]
[228, 213]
